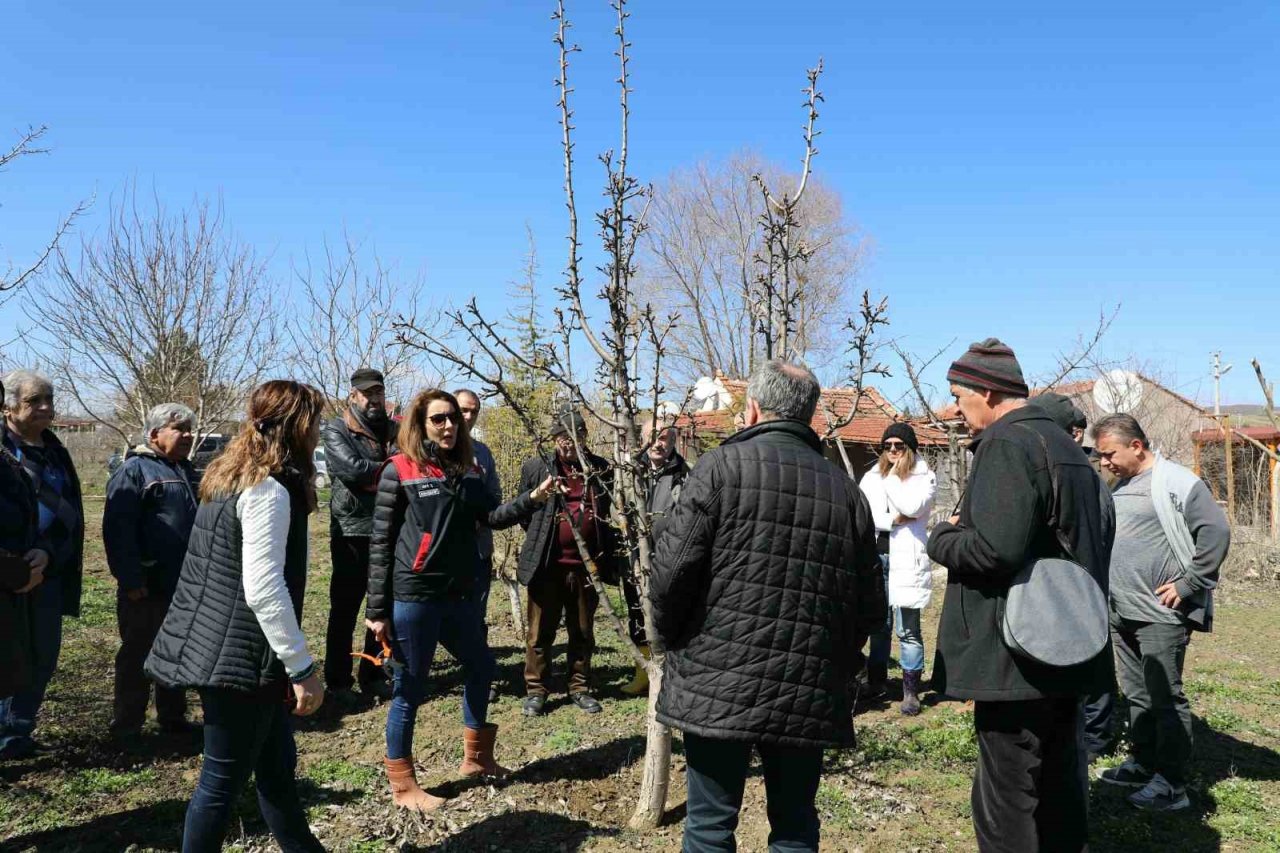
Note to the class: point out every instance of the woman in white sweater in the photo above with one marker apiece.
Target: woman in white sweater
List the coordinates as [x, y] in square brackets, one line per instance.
[233, 630]
[900, 488]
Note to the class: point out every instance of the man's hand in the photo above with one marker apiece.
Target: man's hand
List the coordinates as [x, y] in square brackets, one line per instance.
[136, 594]
[546, 489]
[37, 559]
[954, 520]
[902, 519]
[36, 578]
[1168, 595]
[379, 629]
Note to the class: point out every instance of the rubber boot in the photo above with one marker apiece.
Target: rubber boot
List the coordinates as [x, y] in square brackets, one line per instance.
[404, 787]
[639, 685]
[477, 748]
[911, 692]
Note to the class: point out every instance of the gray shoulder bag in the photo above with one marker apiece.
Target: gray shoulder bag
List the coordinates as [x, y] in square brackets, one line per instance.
[1056, 612]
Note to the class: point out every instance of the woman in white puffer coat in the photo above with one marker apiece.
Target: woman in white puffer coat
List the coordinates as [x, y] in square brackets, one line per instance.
[900, 488]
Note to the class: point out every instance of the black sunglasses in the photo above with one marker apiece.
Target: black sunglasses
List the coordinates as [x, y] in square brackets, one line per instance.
[439, 419]
[894, 445]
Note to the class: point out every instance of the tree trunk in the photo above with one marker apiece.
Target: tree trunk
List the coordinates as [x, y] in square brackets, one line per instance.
[651, 804]
[517, 612]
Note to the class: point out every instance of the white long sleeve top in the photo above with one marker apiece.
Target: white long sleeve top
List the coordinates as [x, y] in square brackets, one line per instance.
[263, 511]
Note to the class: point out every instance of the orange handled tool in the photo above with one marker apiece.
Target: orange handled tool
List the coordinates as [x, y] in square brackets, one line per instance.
[384, 658]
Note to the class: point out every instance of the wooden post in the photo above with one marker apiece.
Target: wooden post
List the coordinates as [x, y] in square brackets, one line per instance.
[1195, 444]
[1229, 441]
[1275, 492]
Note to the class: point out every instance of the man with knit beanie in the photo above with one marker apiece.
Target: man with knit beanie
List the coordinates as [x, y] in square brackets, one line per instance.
[1026, 790]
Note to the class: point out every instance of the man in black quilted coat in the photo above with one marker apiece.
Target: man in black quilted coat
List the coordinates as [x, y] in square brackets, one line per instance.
[765, 581]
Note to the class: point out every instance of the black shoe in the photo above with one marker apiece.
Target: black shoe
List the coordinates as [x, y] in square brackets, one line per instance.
[586, 702]
[533, 703]
[493, 693]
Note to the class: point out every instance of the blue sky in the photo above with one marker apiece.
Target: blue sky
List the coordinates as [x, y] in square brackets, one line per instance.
[1017, 167]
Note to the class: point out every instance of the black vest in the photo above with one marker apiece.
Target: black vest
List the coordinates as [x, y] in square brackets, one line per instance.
[210, 637]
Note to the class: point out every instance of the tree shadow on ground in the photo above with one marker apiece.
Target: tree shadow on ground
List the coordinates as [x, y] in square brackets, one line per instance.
[155, 827]
[525, 831]
[597, 762]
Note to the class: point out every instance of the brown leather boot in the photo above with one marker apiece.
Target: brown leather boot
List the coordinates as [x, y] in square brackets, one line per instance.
[404, 787]
[477, 745]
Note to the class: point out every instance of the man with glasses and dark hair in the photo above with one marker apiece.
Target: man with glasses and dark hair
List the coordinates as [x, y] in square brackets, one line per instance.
[552, 567]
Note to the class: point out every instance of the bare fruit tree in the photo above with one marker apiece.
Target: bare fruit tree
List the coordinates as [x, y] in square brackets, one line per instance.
[160, 307]
[347, 303]
[863, 349]
[699, 253]
[14, 276]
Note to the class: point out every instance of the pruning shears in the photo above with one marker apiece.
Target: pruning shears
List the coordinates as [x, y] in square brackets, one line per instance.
[384, 659]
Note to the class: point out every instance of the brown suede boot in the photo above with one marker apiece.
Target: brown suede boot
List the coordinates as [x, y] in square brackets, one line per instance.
[404, 787]
[478, 757]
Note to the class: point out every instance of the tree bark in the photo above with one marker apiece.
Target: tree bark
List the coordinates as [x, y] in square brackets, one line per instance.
[651, 803]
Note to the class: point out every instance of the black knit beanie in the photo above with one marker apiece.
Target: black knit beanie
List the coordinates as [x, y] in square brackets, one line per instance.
[902, 432]
[991, 366]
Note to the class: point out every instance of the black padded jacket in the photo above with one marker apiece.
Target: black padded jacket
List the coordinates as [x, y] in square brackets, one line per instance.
[764, 583]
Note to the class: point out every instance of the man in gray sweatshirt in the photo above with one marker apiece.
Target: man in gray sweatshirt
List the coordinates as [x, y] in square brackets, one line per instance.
[1171, 540]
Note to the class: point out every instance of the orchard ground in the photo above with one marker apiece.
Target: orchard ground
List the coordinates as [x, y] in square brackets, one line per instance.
[905, 787]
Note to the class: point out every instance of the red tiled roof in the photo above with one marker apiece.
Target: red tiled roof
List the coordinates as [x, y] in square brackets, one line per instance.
[874, 416]
[1265, 434]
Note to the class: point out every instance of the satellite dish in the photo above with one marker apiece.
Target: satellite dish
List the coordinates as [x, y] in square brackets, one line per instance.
[1118, 391]
[711, 393]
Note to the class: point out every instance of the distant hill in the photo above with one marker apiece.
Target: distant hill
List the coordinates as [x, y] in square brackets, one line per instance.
[1244, 414]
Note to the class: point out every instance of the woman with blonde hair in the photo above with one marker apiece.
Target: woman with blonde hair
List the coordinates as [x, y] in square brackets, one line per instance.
[900, 489]
[232, 631]
[422, 581]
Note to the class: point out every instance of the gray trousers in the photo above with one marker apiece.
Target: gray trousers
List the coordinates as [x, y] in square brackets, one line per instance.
[1149, 660]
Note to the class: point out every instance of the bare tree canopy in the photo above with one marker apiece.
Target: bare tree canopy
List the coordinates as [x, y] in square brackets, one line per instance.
[161, 307]
[346, 305]
[698, 258]
[15, 276]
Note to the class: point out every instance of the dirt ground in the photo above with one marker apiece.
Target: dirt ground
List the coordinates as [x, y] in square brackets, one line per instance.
[905, 787]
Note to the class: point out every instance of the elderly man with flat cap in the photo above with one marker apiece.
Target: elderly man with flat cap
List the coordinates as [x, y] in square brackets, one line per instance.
[356, 443]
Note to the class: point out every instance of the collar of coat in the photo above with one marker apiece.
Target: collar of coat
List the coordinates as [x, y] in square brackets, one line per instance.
[1018, 415]
[794, 429]
[354, 424]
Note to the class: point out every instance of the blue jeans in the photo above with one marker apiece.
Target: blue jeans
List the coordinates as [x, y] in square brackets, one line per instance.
[18, 712]
[416, 628]
[484, 582]
[717, 773]
[905, 623]
[247, 733]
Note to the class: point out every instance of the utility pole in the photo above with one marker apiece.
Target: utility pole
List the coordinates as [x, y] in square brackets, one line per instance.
[1218, 372]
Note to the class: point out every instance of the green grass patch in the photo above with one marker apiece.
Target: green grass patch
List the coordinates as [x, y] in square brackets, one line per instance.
[1241, 812]
[332, 771]
[944, 739]
[564, 740]
[835, 807]
[1222, 720]
[98, 603]
[97, 781]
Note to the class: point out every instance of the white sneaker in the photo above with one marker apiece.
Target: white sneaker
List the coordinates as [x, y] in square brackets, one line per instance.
[1160, 796]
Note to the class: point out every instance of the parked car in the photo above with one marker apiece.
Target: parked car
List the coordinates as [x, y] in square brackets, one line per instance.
[322, 469]
[208, 450]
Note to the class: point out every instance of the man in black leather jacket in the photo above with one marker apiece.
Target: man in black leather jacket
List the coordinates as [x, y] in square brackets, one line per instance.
[356, 443]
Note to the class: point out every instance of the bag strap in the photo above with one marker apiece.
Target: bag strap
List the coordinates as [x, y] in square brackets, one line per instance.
[1053, 493]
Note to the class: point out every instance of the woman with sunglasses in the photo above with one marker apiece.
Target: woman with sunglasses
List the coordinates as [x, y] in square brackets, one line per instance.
[422, 581]
[900, 488]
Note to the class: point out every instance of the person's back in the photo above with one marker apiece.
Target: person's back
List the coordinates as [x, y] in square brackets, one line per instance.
[763, 581]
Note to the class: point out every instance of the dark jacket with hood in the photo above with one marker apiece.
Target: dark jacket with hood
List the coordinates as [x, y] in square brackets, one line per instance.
[424, 543]
[150, 509]
[1008, 517]
[66, 548]
[17, 536]
[541, 521]
[354, 453]
[764, 583]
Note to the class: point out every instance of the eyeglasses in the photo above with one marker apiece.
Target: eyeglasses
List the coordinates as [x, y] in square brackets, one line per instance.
[890, 446]
[439, 419]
